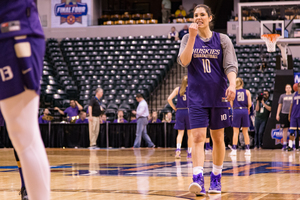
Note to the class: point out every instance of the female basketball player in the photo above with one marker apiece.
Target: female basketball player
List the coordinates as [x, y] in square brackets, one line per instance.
[294, 116]
[241, 110]
[283, 109]
[210, 57]
[182, 116]
[22, 48]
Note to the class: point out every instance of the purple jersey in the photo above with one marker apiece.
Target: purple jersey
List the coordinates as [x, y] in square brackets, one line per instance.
[181, 100]
[42, 121]
[19, 17]
[296, 106]
[206, 78]
[241, 99]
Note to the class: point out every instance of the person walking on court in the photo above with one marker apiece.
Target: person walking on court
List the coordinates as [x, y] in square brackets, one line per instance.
[22, 47]
[282, 114]
[182, 116]
[142, 113]
[241, 110]
[95, 109]
[294, 116]
[210, 59]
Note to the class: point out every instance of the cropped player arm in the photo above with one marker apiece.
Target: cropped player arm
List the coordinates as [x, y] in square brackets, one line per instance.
[290, 112]
[230, 92]
[249, 100]
[90, 112]
[186, 50]
[171, 97]
[230, 63]
[278, 111]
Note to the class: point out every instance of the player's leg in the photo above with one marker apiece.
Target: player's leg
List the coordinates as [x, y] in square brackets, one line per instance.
[198, 156]
[178, 143]
[208, 148]
[284, 137]
[23, 189]
[218, 155]
[190, 143]
[20, 114]
[247, 140]
[235, 137]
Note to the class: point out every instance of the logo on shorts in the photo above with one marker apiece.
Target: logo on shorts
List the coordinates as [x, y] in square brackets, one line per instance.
[70, 11]
[6, 73]
[224, 117]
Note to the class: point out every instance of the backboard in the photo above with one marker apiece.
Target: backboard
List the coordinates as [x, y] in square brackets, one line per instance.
[258, 18]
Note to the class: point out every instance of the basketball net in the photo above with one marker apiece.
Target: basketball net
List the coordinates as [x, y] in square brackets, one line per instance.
[271, 40]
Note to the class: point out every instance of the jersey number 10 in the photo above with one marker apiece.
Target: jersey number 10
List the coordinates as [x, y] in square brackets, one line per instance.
[206, 65]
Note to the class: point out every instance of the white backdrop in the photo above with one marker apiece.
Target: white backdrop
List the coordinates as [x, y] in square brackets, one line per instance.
[56, 20]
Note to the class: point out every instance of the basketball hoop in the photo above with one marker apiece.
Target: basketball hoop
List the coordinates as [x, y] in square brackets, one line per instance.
[270, 40]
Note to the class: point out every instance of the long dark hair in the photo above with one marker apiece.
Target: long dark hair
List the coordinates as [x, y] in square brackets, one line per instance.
[183, 86]
[208, 11]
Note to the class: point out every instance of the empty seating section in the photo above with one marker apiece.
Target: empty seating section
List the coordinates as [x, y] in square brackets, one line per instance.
[122, 66]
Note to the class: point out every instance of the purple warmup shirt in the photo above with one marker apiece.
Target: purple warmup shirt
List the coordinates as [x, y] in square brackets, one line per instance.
[296, 106]
[133, 121]
[42, 121]
[72, 111]
[19, 17]
[181, 100]
[241, 99]
[79, 121]
[207, 80]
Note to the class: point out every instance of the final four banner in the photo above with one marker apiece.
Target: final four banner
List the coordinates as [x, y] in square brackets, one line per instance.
[70, 13]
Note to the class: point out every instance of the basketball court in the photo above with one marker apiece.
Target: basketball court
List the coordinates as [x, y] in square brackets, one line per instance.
[155, 174]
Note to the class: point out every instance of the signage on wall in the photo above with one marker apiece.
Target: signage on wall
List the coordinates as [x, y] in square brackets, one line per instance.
[69, 13]
[296, 77]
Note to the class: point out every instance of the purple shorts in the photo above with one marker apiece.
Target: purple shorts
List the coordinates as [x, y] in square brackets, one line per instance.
[295, 123]
[21, 65]
[240, 118]
[214, 118]
[182, 120]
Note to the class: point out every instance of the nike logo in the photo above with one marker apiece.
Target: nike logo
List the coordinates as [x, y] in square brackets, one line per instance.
[25, 71]
[204, 46]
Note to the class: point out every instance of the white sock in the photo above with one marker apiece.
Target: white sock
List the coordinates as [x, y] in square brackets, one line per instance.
[189, 149]
[20, 113]
[198, 170]
[178, 146]
[290, 143]
[217, 169]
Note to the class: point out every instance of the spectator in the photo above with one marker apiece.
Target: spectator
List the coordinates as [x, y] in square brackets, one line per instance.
[43, 118]
[95, 109]
[103, 119]
[168, 118]
[263, 109]
[133, 119]
[154, 118]
[142, 114]
[82, 118]
[165, 10]
[184, 31]
[120, 117]
[180, 13]
[173, 35]
[71, 111]
[282, 115]
[191, 11]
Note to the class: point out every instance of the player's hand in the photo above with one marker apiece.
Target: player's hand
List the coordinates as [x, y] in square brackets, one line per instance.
[248, 111]
[133, 112]
[175, 109]
[193, 30]
[56, 108]
[277, 117]
[289, 117]
[230, 93]
[90, 118]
